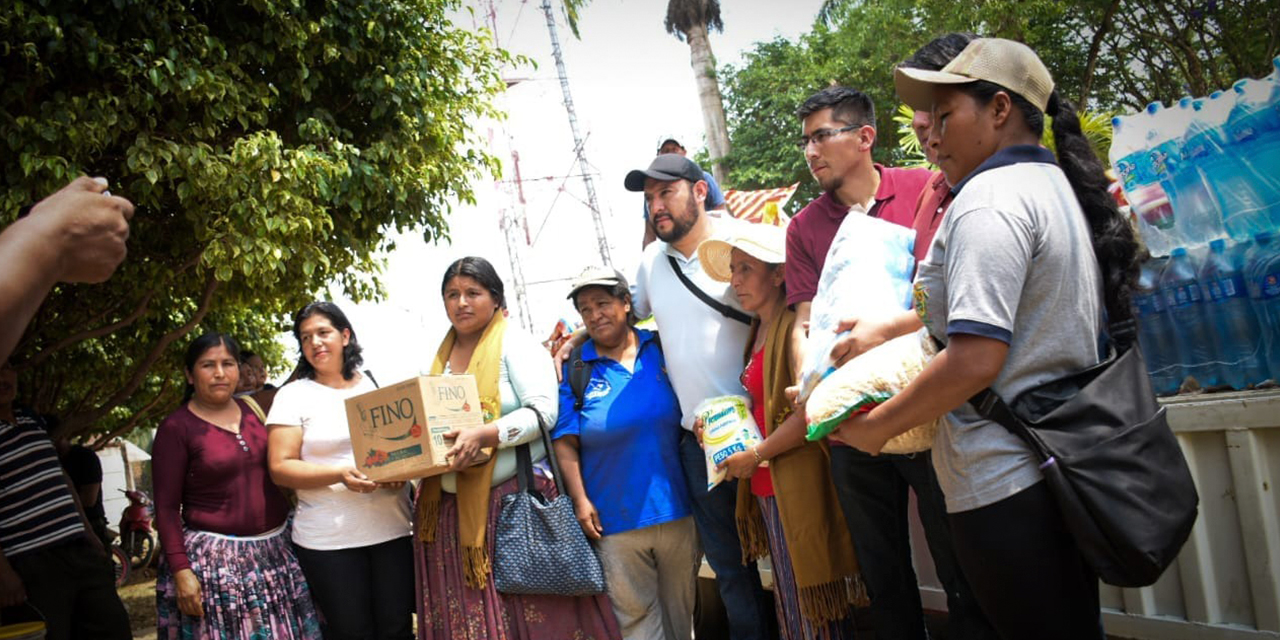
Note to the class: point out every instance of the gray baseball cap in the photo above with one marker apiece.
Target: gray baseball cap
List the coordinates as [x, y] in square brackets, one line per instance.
[665, 168]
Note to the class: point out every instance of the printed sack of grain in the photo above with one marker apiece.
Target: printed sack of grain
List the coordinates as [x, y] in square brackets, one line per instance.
[867, 274]
[869, 380]
[727, 428]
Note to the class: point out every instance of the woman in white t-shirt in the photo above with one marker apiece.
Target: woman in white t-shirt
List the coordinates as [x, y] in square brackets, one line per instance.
[351, 534]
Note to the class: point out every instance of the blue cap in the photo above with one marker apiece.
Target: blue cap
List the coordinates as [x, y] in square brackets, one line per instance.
[1178, 252]
[1217, 245]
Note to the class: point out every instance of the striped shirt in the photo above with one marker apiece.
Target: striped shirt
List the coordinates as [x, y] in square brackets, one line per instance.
[36, 507]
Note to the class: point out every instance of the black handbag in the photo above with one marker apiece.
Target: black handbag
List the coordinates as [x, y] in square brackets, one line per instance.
[1110, 460]
[539, 547]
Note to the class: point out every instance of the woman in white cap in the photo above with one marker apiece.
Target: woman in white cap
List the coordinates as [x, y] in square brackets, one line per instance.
[790, 503]
[1029, 260]
[616, 438]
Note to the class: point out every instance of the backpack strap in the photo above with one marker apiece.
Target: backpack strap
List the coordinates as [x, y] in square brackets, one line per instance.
[579, 376]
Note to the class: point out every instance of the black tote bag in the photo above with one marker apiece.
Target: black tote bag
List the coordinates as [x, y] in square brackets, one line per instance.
[1111, 462]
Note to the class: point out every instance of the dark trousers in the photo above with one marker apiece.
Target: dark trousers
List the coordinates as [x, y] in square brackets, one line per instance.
[1026, 570]
[364, 593]
[73, 586]
[747, 604]
[873, 496]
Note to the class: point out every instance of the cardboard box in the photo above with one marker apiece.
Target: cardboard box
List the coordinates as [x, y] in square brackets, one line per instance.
[397, 432]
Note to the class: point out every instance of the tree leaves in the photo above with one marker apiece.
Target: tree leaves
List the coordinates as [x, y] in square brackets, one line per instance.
[1116, 54]
[268, 146]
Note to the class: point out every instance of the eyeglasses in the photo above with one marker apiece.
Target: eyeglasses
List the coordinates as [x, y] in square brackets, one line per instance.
[822, 135]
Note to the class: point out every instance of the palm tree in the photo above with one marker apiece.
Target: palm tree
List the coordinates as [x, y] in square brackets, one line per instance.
[690, 21]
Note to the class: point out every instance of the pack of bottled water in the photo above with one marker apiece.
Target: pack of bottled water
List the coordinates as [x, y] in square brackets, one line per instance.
[1202, 177]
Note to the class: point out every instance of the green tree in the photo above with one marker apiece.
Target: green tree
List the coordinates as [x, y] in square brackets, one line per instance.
[269, 147]
[691, 21]
[1106, 55]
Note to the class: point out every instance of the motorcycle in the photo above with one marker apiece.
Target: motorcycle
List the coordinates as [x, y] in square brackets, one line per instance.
[120, 560]
[137, 538]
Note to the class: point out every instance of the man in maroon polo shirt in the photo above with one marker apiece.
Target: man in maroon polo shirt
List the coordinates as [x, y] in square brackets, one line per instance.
[838, 134]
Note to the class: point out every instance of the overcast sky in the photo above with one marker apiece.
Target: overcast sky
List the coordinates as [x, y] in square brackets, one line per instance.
[632, 85]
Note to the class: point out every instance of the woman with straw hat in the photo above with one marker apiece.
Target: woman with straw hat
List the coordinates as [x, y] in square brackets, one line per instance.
[791, 503]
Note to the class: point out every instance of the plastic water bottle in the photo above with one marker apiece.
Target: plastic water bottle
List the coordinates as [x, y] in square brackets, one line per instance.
[1235, 327]
[1155, 331]
[1162, 153]
[1185, 303]
[1262, 279]
[1146, 197]
[1197, 216]
[1207, 149]
[1253, 129]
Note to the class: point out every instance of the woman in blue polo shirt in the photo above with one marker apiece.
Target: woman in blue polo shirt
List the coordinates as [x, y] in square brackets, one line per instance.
[617, 441]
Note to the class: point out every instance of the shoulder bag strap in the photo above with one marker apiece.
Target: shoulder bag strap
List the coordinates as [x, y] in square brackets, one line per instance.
[255, 408]
[524, 460]
[991, 406]
[723, 309]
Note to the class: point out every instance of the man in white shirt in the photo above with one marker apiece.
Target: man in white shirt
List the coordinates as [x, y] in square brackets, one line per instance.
[704, 335]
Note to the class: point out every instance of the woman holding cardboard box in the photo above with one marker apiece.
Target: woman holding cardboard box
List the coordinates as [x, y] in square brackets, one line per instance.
[227, 570]
[351, 534]
[457, 512]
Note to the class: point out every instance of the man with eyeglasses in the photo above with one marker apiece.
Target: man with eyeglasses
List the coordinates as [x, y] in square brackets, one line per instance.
[838, 134]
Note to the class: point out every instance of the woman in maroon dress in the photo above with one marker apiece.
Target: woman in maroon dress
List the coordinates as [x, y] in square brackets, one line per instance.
[227, 571]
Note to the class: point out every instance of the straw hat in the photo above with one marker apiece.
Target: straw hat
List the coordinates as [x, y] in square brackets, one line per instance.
[1010, 64]
[764, 242]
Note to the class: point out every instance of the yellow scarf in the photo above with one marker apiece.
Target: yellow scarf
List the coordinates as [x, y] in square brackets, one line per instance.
[822, 556]
[473, 482]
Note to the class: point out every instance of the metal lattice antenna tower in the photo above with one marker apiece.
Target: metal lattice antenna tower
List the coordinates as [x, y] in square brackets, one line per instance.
[512, 218]
[583, 167]
[512, 222]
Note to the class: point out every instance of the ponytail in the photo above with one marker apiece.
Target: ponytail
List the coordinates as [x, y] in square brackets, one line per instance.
[1113, 241]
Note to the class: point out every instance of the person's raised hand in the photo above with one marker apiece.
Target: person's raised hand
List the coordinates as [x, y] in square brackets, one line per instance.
[87, 226]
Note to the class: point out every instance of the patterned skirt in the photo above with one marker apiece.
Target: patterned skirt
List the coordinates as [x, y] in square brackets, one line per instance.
[251, 588]
[786, 598]
[448, 609]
